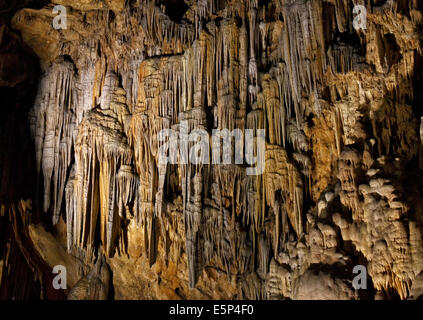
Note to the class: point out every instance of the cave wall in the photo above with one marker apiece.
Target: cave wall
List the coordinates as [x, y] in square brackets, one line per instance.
[340, 108]
[23, 273]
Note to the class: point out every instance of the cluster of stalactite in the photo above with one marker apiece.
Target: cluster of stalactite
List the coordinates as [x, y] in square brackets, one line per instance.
[246, 65]
[23, 275]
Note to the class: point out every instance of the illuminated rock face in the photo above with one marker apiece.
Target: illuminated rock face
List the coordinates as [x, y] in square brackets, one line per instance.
[342, 155]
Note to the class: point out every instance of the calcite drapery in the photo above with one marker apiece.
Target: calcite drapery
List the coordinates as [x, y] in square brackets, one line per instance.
[336, 105]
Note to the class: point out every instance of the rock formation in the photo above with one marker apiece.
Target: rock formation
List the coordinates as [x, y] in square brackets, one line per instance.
[340, 112]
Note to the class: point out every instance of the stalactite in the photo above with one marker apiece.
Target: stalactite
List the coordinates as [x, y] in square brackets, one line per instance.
[102, 159]
[55, 123]
[124, 77]
[281, 175]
